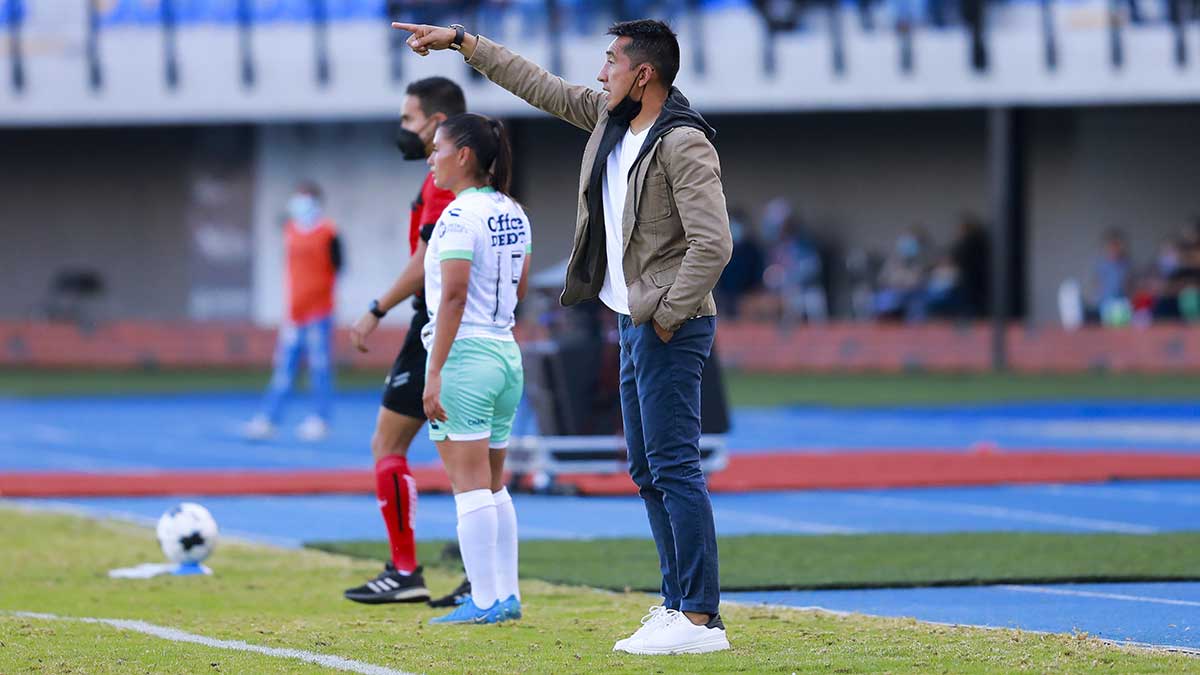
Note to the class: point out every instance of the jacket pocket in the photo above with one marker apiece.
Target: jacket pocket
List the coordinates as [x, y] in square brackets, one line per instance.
[655, 203]
[664, 278]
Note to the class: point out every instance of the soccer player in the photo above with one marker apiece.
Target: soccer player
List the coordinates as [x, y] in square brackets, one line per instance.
[476, 270]
[651, 240]
[427, 104]
[313, 259]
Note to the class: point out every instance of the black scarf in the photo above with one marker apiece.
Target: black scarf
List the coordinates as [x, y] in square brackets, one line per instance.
[676, 112]
[595, 253]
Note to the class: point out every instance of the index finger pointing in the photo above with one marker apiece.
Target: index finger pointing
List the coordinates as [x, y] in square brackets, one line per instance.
[410, 27]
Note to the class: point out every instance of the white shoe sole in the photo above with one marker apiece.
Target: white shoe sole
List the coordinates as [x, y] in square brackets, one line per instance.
[411, 594]
[713, 644]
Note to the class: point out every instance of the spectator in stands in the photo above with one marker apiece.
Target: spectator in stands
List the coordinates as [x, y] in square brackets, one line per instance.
[943, 297]
[903, 279]
[313, 260]
[861, 272]
[795, 266]
[1161, 284]
[1184, 280]
[1111, 280]
[970, 254]
[1189, 253]
[744, 272]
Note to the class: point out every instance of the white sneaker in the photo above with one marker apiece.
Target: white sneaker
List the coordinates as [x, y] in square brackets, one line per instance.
[313, 428]
[678, 635]
[258, 429]
[657, 615]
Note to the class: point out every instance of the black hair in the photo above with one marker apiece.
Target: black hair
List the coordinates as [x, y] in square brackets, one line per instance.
[311, 188]
[653, 42]
[488, 139]
[438, 95]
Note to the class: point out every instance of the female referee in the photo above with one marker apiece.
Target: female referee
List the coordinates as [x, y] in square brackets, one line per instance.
[476, 267]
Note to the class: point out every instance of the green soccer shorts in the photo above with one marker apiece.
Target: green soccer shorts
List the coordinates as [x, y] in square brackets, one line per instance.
[482, 382]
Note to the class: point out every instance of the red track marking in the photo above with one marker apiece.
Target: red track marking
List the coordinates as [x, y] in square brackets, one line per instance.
[756, 472]
[232, 482]
[828, 470]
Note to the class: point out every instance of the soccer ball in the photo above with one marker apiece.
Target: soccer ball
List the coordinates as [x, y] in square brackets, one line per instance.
[187, 533]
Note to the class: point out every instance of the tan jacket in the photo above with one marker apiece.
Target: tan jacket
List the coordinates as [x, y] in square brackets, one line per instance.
[676, 227]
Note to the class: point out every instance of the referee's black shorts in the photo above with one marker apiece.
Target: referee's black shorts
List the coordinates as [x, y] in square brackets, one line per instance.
[405, 384]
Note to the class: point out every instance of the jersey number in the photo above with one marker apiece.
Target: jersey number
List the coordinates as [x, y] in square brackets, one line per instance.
[516, 266]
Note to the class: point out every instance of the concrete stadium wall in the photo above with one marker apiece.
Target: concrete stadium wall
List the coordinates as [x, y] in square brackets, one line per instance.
[369, 190]
[184, 222]
[861, 178]
[112, 200]
[1090, 170]
[749, 347]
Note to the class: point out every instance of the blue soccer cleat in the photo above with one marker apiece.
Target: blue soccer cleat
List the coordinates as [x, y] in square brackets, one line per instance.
[468, 612]
[511, 608]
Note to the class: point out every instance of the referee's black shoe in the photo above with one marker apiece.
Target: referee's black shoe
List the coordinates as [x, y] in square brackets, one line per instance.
[455, 597]
[391, 586]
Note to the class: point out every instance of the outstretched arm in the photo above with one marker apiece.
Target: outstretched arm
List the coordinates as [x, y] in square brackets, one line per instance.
[573, 103]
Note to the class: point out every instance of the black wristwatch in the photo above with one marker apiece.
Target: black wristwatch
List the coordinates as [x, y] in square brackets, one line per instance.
[459, 33]
[379, 313]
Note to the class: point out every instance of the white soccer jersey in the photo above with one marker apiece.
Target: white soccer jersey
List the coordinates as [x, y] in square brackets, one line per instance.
[492, 231]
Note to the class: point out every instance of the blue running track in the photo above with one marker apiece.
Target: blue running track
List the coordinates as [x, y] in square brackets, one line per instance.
[1163, 614]
[200, 431]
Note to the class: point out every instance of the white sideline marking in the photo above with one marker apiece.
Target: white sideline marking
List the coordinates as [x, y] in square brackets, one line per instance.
[176, 635]
[1120, 494]
[1004, 513]
[1131, 430]
[1103, 596]
[780, 524]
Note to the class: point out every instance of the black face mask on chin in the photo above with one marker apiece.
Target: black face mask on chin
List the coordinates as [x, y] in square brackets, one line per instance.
[627, 108]
[410, 144]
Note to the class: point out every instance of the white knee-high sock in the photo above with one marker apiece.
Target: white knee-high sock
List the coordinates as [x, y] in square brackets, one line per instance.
[477, 541]
[506, 545]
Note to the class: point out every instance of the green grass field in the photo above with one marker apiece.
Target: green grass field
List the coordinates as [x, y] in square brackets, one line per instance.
[858, 561]
[745, 389]
[291, 599]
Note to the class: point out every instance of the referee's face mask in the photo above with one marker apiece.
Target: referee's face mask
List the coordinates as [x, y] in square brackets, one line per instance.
[410, 143]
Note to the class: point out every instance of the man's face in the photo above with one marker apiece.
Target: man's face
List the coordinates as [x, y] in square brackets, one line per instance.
[413, 119]
[619, 75]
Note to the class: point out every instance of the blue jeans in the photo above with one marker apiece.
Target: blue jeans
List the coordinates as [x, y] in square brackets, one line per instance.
[315, 339]
[663, 380]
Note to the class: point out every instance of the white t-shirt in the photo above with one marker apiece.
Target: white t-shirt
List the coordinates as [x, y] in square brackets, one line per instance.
[492, 231]
[614, 293]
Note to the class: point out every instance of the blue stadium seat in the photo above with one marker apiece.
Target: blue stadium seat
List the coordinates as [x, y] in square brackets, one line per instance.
[14, 7]
[149, 12]
[126, 12]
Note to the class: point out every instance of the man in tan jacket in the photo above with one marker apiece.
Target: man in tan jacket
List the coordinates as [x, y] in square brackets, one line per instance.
[651, 239]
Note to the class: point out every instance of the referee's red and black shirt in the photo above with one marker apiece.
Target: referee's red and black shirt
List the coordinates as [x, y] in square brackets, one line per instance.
[426, 210]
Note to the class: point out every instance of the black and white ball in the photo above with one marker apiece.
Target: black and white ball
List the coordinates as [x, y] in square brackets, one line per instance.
[187, 533]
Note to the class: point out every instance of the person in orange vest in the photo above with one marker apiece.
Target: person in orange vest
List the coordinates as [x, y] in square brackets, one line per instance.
[313, 260]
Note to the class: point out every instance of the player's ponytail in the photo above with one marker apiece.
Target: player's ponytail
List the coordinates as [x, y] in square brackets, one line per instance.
[501, 169]
[488, 140]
